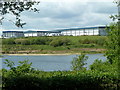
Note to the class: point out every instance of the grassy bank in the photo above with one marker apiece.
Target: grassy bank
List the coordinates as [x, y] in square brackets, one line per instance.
[55, 45]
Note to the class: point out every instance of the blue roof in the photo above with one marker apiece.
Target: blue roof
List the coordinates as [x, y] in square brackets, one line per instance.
[82, 28]
[30, 31]
[12, 31]
[54, 31]
[42, 31]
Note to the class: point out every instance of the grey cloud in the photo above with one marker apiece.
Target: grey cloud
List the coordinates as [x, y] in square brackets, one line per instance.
[103, 7]
[65, 15]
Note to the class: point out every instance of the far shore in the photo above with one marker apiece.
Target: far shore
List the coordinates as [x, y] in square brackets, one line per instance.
[42, 54]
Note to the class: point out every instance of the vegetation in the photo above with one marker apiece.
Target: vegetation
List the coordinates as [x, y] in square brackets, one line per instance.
[63, 44]
[100, 76]
[25, 77]
[78, 62]
[15, 8]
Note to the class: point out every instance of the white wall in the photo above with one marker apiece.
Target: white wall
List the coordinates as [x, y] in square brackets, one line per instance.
[30, 34]
[81, 32]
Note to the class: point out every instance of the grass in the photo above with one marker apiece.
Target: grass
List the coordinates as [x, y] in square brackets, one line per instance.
[77, 44]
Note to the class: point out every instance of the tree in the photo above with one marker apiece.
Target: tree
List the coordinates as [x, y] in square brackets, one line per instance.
[113, 44]
[113, 52]
[16, 7]
[78, 62]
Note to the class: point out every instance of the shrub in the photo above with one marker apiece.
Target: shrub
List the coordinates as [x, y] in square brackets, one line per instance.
[8, 41]
[105, 66]
[60, 42]
[86, 41]
[78, 62]
[97, 65]
[22, 41]
[100, 41]
[25, 42]
[55, 43]
[40, 41]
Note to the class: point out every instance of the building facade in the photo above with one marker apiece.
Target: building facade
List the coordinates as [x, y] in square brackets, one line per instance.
[84, 31]
[41, 33]
[98, 30]
[12, 34]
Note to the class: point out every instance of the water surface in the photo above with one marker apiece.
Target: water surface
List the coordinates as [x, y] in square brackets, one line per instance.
[51, 62]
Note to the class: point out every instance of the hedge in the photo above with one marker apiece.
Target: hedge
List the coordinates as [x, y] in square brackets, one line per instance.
[61, 80]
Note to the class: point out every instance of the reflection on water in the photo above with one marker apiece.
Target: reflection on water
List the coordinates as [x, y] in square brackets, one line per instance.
[51, 63]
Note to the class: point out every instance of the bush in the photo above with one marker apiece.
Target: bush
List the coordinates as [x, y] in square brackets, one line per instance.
[59, 42]
[100, 41]
[25, 42]
[22, 41]
[78, 62]
[40, 41]
[101, 66]
[8, 41]
[55, 43]
[85, 41]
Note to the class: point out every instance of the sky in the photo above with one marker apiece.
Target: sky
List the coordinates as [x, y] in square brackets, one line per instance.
[56, 14]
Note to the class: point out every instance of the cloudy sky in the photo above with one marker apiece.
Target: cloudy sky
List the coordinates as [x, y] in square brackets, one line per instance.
[56, 14]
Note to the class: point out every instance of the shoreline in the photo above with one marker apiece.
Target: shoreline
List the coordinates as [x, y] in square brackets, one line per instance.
[42, 54]
[47, 54]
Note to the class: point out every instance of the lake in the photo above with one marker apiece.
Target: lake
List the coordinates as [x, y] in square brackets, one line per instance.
[50, 62]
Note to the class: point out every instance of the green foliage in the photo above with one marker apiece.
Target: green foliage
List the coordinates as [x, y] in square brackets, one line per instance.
[50, 44]
[101, 66]
[0, 79]
[113, 44]
[16, 8]
[98, 41]
[9, 64]
[78, 62]
[22, 41]
[87, 45]
[8, 41]
[40, 41]
[60, 42]
[23, 67]
[86, 41]
[24, 77]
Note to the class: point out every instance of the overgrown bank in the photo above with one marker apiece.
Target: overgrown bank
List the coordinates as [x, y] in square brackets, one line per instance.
[55, 45]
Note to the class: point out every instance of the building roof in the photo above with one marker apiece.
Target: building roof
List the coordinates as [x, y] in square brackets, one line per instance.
[82, 28]
[54, 31]
[12, 31]
[41, 31]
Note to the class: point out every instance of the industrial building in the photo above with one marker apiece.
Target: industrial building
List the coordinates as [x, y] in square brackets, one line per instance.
[96, 30]
[12, 34]
[41, 33]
